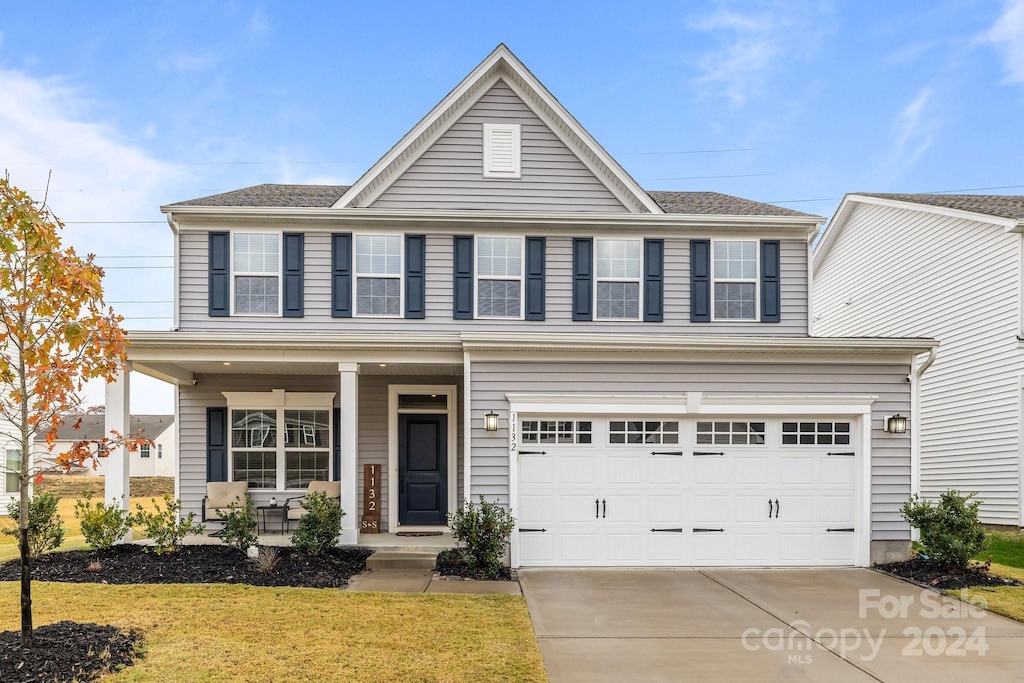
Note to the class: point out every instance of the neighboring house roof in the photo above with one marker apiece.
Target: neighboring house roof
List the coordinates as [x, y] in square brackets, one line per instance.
[94, 427]
[1001, 205]
[324, 196]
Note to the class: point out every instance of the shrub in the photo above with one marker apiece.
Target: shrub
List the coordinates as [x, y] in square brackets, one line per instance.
[102, 526]
[267, 559]
[482, 532]
[45, 530]
[320, 526]
[165, 526]
[240, 525]
[950, 531]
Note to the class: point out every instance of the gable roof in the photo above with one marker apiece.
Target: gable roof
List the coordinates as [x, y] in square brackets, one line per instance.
[501, 64]
[326, 196]
[94, 427]
[1004, 210]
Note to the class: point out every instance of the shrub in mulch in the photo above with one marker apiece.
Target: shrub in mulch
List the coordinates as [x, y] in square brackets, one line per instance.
[931, 573]
[133, 564]
[452, 562]
[67, 651]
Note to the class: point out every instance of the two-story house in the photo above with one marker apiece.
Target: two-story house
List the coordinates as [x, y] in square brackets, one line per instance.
[949, 267]
[496, 308]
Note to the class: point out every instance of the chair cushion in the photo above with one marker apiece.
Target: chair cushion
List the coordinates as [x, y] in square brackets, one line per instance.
[221, 494]
[331, 488]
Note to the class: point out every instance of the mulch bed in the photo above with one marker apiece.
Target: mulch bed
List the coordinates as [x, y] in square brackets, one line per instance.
[931, 573]
[128, 563]
[451, 563]
[66, 651]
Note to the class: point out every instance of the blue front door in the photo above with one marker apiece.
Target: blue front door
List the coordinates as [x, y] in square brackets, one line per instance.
[422, 469]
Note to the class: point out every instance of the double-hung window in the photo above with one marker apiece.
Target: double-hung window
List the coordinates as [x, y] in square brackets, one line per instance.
[499, 277]
[256, 273]
[619, 269]
[378, 275]
[144, 451]
[280, 448]
[735, 279]
[13, 462]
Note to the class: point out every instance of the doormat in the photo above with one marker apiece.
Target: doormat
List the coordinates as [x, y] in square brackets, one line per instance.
[416, 534]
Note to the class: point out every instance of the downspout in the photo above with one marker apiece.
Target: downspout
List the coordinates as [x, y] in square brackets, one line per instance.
[177, 269]
[915, 420]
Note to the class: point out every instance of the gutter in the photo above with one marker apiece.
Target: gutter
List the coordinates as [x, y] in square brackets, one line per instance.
[177, 270]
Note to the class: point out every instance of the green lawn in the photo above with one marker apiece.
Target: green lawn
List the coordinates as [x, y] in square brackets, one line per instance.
[244, 633]
[1005, 548]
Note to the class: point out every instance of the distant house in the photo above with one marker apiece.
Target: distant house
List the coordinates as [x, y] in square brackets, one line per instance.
[155, 460]
[11, 455]
[947, 267]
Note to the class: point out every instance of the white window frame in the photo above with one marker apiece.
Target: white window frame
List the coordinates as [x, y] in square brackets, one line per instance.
[756, 281]
[237, 273]
[521, 277]
[356, 276]
[517, 150]
[145, 451]
[639, 279]
[280, 401]
[159, 451]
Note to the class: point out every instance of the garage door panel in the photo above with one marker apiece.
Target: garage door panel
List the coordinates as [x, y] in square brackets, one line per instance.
[578, 469]
[624, 547]
[797, 546]
[835, 547]
[711, 508]
[796, 508]
[539, 547]
[622, 508]
[663, 509]
[750, 469]
[665, 469]
[577, 548]
[536, 469]
[837, 470]
[536, 508]
[836, 507]
[710, 470]
[624, 470]
[665, 547]
[795, 469]
[746, 509]
[709, 548]
[577, 508]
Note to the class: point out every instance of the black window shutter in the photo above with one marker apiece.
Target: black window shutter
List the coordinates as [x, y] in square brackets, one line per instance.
[216, 444]
[535, 278]
[341, 275]
[220, 274]
[336, 456]
[654, 281]
[462, 304]
[293, 267]
[415, 276]
[582, 278]
[700, 281]
[771, 287]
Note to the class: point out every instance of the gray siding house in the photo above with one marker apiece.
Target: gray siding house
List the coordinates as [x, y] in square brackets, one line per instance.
[496, 308]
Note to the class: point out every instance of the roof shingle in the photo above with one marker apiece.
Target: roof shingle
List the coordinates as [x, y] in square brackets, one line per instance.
[1003, 206]
[94, 427]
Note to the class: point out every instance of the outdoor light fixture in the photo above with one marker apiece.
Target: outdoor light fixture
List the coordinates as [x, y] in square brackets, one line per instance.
[491, 421]
[896, 424]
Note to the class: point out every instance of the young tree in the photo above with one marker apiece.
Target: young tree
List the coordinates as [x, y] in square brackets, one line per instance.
[54, 335]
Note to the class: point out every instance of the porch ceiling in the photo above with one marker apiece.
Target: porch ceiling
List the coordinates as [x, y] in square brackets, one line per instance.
[185, 372]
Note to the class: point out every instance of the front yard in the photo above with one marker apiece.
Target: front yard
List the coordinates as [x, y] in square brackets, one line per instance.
[1006, 550]
[244, 633]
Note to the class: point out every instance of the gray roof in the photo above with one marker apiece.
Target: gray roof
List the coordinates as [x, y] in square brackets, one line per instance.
[1001, 205]
[324, 196]
[94, 427]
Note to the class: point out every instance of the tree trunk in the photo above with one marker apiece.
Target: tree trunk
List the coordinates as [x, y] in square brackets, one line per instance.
[26, 590]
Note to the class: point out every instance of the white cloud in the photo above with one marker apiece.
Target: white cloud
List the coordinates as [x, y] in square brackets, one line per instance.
[189, 61]
[914, 128]
[258, 23]
[1007, 34]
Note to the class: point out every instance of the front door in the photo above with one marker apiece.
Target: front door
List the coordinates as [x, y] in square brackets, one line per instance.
[422, 469]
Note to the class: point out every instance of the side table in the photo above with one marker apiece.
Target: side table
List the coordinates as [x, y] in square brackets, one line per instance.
[263, 510]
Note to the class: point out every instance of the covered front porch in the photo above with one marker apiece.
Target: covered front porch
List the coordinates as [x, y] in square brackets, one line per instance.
[386, 422]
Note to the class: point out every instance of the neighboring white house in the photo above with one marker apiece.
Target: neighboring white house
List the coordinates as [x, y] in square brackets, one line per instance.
[11, 454]
[154, 460]
[947, 267]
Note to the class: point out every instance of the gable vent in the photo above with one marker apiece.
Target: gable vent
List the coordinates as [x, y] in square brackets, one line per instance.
[502, 150]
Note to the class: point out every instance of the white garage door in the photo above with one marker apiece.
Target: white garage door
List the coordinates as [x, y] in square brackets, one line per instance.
[667, 492]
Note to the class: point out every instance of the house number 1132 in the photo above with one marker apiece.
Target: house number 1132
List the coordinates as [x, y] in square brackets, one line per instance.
[370, 523]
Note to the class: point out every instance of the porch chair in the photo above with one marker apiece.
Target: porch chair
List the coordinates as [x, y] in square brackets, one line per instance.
[295, 506]
[219, 497]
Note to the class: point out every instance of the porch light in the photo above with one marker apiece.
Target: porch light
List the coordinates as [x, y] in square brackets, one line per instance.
[896, 424]
[491, 421]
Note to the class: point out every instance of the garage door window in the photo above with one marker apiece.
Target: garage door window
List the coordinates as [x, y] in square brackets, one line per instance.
[724, 433]
[643, 431]
[815, 433]
[557, 431]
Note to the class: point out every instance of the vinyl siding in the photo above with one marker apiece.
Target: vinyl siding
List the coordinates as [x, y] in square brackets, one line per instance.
[317, 295]
[890, 468]
[955, 280]
[373, 428]
[449, 175]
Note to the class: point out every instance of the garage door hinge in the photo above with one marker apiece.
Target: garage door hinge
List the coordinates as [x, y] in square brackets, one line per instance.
[704, 531]
[831, 530]
[679, 453]
[533, 452]
[850, 453]
[669, 531]
[708, 453]
[532, 530]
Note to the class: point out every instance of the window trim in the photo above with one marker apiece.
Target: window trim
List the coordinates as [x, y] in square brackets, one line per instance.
[279, 275]
[517, 150]
[756, 280]
[280, 401]
[639, 279]
[521, 277]
[400, 277]
[144, 451]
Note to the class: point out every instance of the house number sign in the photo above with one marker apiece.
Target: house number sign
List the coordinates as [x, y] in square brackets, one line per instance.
[371, 500]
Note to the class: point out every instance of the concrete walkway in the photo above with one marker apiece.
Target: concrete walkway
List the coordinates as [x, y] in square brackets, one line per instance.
[762, 625]
[424, 581]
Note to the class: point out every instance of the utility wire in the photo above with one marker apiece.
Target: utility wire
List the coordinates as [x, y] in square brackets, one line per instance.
[706, 177]
[694, 151]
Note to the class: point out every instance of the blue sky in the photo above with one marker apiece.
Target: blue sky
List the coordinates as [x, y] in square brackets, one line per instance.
[134, 105]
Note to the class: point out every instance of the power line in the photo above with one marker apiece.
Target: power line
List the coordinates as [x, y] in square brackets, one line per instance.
[695, 151]
[707, 177]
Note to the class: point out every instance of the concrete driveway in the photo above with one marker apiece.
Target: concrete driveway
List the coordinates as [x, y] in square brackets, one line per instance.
[831, 625]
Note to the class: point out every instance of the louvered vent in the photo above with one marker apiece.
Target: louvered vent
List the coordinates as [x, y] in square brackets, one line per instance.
[501, 150]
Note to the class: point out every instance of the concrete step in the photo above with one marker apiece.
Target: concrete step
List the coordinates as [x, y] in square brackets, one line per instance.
[401, 560]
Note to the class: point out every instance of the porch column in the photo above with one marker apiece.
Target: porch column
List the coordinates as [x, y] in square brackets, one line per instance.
[349, 429]
[117, 418]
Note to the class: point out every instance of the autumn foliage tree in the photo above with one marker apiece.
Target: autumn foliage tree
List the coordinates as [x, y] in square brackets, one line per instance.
[55, 334]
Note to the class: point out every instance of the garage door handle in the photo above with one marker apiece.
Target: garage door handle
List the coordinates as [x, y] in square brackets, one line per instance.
[776, 508]
[597, 508]
[604, 508]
